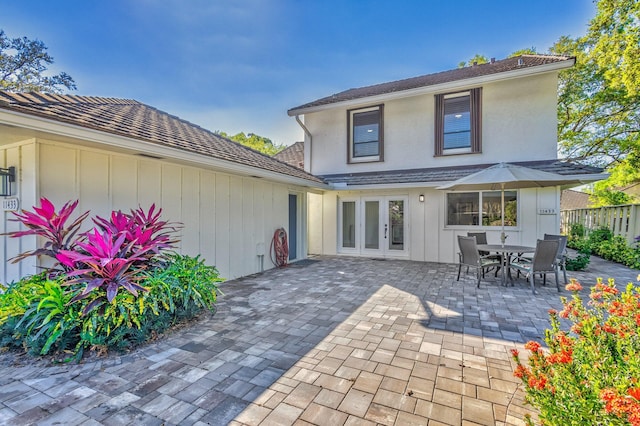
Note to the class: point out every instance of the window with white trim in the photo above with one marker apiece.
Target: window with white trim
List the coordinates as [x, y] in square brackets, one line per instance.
[366, 134]
[482, 208]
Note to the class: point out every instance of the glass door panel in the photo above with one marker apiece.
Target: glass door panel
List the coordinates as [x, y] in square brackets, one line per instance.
[349, 224]
[372, 225]
[396, 224]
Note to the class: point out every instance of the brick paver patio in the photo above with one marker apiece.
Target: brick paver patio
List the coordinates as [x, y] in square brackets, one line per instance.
[327, 341]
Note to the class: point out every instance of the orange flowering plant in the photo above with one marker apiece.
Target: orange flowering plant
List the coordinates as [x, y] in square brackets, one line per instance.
[590, 373]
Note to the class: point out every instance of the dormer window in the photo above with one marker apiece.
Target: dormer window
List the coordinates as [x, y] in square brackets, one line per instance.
[458, 123]
[366, 134]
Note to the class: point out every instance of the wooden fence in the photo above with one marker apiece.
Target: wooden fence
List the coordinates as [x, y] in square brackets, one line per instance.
[621, 220]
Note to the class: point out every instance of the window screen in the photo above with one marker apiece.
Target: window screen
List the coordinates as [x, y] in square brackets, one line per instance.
[366, 131]
[457, 122]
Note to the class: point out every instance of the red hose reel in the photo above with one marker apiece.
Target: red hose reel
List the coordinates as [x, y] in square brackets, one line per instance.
[279, 248]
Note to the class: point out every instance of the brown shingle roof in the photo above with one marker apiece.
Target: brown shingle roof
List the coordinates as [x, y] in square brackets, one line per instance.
[570, 199]
[293, 155]
[504, 65]
[136, 120]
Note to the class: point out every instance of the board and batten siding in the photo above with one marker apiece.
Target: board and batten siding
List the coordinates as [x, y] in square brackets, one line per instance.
[429, 238]
[225, 217]
[23, 156]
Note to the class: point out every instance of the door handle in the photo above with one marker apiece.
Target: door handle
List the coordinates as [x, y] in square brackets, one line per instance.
[385, 231]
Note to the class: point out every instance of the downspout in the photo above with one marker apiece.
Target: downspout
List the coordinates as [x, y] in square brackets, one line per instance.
[308, 133]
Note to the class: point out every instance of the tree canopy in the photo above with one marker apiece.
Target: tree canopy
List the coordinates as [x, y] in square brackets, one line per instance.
[614, 40]
[253, 141]
[23, 66]
[483, 59]
[477, 59]
[599, 98]
[525, 51]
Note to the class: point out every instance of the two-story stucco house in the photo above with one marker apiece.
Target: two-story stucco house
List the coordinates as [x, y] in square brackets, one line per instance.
[385, 149]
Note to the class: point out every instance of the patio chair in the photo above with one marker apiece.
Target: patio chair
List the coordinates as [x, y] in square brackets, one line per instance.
[543, 262]
[481, 238]
[471, 258]
[561, 257]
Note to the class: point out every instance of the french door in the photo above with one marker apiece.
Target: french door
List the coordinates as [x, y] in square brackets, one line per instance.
[375, 226]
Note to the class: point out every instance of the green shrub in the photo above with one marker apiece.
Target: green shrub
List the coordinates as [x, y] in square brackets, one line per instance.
[613, 248]
[603, 243]
[576, 230]
[582, 245]
[192, 282]
[578, 263]
[617, 250]
[180, 288]
[599, 235]
[36, 314]
[78, 304]
[17, 296]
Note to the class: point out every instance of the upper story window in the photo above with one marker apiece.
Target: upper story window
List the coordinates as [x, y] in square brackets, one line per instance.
[458, 122]
[366, 134]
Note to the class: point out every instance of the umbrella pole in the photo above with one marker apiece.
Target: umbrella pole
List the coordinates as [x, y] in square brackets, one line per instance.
[503, 236]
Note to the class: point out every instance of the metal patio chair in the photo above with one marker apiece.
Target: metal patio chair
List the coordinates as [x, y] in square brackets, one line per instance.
[481, 238]
[471, 258]
[561, 256]
[543, 262]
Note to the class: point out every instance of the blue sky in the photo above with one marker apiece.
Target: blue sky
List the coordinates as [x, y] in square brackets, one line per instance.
[238, 65]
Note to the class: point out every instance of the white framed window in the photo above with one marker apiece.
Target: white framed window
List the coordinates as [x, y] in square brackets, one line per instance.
[482, 208]
[365, 134]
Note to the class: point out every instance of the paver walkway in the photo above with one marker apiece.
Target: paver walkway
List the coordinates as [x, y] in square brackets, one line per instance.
[327, 341]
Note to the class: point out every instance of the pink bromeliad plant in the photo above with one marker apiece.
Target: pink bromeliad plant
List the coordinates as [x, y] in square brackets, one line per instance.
[144, 230]
[106, 259]
[52, 226]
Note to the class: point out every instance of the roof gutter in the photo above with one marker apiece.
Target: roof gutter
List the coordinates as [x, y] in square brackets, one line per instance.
[308, 133]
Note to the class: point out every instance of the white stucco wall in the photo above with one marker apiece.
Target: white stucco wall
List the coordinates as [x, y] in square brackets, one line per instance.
[518, 124]
[225, 216]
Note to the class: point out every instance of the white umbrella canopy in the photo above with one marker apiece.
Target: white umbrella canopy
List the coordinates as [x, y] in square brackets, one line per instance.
[508, 176]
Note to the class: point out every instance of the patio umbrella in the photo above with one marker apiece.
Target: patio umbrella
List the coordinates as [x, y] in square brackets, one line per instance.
[508, 176]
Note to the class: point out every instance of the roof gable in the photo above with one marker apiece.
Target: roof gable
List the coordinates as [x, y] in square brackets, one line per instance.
[133, 119]
[517, 63]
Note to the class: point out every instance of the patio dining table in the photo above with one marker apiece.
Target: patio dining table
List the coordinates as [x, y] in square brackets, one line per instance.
[505, 251]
